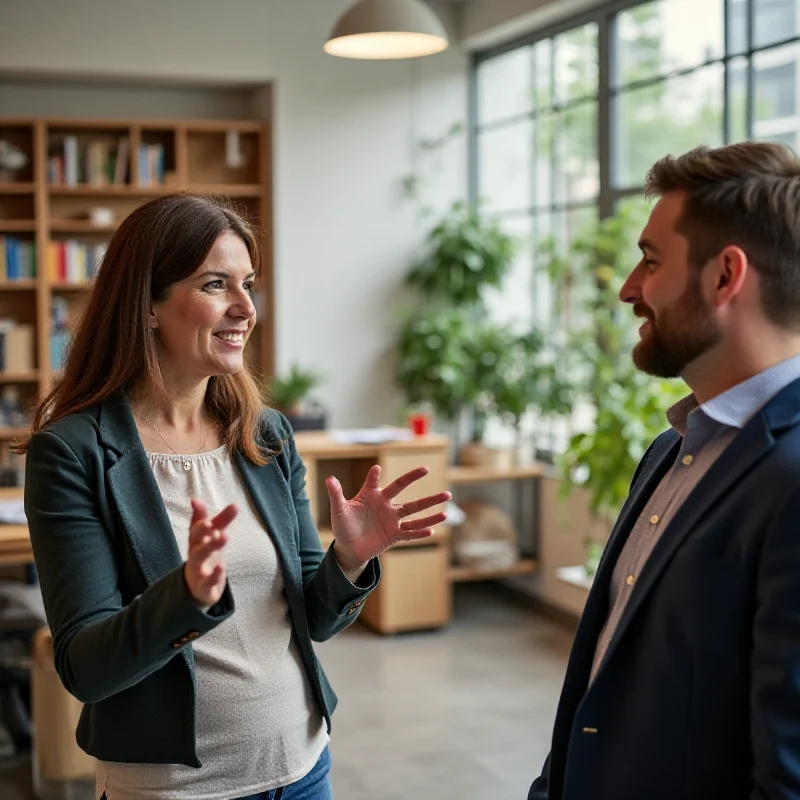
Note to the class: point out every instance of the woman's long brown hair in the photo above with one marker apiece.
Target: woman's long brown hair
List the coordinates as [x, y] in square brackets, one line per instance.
[162, 242]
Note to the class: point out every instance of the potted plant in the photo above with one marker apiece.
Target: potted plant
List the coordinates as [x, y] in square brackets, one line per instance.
[290, 394]
[488, 351]
[531, 382]
[433, 364]
[440, 361]
[466, 254]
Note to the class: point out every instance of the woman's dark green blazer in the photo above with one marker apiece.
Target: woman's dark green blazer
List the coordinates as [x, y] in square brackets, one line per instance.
[112, 579]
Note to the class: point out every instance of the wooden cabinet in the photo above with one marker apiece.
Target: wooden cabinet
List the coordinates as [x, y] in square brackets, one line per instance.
[415, 592]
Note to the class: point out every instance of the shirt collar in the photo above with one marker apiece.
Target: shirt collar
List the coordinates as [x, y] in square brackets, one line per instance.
[739, 404]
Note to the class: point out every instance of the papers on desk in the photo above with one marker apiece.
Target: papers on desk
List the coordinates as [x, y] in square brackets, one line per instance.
[12, 512]
[371, 435]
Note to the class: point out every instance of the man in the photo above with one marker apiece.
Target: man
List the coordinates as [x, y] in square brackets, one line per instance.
[684, 677]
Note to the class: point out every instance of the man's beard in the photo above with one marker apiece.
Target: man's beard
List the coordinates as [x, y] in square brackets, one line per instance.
[682, 334]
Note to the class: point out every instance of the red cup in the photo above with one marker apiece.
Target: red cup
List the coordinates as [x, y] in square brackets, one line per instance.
[420, 424]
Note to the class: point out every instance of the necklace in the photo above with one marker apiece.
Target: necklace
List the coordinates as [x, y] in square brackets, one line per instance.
[187, 465]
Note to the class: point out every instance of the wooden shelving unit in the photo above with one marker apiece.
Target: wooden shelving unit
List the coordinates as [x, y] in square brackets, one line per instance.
[18, 286]
[80, 226]
[524, 566]
[415, 591]
[17, 225]
[37, 207]
[17, 187]
[21, 376]
[458, 476]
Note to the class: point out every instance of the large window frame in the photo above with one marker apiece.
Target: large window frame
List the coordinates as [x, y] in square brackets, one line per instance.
[607, 137]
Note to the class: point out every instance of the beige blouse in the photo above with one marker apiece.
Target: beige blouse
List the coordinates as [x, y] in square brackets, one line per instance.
[258, 724]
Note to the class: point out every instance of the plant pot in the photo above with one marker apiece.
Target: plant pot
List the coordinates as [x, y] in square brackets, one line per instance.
[524, 453]
[306, 421]
[545, 456]
[477, 454]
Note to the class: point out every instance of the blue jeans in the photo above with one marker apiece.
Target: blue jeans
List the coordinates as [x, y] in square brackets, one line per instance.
[314, 786]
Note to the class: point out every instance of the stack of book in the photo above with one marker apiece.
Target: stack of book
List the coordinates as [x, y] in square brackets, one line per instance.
[71, 261]
[97, 163]
[17, 259]
[17, 346]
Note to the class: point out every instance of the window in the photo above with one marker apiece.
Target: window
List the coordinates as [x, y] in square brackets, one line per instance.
[538, 164]
[567, 123]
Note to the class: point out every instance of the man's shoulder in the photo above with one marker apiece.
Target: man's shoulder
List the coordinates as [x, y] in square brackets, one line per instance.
[660, 446]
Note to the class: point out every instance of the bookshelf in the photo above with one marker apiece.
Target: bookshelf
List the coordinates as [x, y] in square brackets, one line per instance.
[57, 213]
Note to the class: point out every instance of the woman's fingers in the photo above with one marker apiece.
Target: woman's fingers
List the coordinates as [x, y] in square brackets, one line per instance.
[209, 545]
[424, 522]
[225, 517]
[199, 510]
[404, 481]
[421, 534]
[335, 495]
[415, 506]
[204, 526]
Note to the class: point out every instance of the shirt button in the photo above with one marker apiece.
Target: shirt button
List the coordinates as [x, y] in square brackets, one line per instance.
[654, 519]
[687, 460]
[630, 580]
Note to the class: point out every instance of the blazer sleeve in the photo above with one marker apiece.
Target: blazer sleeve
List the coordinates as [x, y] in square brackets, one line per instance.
[102, 646]
[775, 661]
[332, 601]
[538, 790]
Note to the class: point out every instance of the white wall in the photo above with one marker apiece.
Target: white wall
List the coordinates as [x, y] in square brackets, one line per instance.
[60, 98]
[343, 141]
[486, 23]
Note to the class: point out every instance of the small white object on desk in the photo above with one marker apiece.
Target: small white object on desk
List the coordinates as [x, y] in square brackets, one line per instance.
[12, 512]
[371, 435]
[576, 575]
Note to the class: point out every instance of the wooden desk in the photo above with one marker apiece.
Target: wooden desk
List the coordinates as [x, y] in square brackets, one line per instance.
[15, 542]
[415, 592]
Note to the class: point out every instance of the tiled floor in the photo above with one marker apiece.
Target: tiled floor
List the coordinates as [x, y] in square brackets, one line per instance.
[461, 713]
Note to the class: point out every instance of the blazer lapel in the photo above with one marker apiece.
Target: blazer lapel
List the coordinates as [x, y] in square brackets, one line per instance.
[596, 611]
[144, 516]
[745, 451]
[136, 493]
[662, 460]
[269, 493]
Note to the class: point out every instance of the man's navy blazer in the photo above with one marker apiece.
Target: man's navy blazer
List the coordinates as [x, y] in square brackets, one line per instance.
[698, 697]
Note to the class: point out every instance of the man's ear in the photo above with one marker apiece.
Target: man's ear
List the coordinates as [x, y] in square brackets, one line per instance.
[729, 272]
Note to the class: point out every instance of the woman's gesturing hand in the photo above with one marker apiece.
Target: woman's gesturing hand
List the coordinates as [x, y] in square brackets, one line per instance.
[371, 523]
[204, 570]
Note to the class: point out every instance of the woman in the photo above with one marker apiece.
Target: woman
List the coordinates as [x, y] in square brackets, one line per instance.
[181, 572]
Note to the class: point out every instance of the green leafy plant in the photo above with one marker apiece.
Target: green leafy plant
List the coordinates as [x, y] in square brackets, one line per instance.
[467, 253]
[489, 350]
[433, 363]
[448, 351]
[289, 391]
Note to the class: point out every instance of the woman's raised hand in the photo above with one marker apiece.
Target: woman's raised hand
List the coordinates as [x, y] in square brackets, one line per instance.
[204, 570]
[371, 523]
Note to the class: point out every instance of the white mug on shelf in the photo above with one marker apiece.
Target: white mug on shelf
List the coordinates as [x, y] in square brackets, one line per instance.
[101, 216]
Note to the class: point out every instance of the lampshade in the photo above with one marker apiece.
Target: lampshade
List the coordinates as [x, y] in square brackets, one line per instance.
[386, 29]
